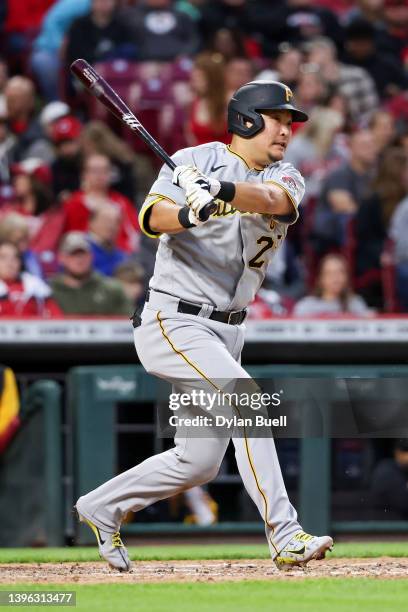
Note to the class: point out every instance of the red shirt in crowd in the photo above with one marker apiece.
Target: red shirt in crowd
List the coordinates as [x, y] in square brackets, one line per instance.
[23, 15]
[77, 215]
[205, 132]
[16, 301]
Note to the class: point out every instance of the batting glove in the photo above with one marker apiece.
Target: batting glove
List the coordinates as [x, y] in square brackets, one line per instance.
[185, 175]
[193, 220]
[197, 198]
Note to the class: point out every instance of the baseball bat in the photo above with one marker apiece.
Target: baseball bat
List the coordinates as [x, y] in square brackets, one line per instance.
[97, 85]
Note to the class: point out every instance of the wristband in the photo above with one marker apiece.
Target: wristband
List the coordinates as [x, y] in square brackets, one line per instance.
[184, 217]
[227, 191]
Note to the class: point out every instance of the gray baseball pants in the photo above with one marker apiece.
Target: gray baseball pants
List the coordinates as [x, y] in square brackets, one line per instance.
[182, 349]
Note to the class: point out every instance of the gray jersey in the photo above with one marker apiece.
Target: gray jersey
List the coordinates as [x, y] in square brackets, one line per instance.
[222, 262]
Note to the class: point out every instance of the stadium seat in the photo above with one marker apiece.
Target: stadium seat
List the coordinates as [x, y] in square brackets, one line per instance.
[118, 71]
[180, 70]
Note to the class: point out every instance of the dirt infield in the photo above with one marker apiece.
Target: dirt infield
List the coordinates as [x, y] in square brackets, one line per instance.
[199, 571]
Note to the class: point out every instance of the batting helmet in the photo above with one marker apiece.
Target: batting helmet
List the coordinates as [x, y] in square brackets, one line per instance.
[247, 102]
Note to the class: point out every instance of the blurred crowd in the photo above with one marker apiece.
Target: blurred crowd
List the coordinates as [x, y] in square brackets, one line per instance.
[72, 178]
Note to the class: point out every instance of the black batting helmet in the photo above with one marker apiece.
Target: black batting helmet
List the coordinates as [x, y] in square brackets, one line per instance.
[250, 99]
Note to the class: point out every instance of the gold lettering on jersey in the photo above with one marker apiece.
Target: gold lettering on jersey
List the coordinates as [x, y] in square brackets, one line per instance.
[289, 93]
[224, 209]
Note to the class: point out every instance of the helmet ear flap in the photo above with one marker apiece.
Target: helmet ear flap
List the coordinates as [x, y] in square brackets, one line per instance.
[238, 119]
[245, 121]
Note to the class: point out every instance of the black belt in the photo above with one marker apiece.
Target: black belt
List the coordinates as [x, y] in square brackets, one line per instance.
[232, 317]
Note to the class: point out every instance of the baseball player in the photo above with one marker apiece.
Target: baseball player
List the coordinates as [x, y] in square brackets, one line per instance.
[191, 330]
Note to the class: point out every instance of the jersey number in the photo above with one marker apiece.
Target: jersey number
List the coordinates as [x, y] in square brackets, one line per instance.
[256, 262]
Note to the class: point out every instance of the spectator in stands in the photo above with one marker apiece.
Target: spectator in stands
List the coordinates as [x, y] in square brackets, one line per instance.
[333, 293]
[398, 107]
[22, 23]
[31, 182]
[4, 76]
[398, 232]
[343, 191]
[371, 10]
[360, 47]
[66, 167]
[78, 289]
[299, 21]
[286, 67]
[15, 228]
[95, 192]
[311, 88]
[353, 82]
[131, 276]
[22, 294]
[207, 120]
[101, 35]
[389, 482]
[318, 149]
[104, 226]
[373, 219]
[35, 201]
[394, 39]
[231, 14]
[98, 138]
[47, 48]
[338, 102]
[160, 31]
[20, 100]
[382, 126]
[7, 145]
[238, 71]
[51, 113]
[230, 44]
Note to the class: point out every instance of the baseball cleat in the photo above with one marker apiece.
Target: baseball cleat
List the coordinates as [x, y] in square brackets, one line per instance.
[301, 549]
[111, 547]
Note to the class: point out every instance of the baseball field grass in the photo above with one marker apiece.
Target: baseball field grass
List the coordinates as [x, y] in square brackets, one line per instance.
[195, 552]
[357, 576]
[325, 595]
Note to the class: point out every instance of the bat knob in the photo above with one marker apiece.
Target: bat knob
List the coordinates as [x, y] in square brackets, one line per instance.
[207, 211]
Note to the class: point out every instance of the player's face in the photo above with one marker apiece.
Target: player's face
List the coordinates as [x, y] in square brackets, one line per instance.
[272, 141]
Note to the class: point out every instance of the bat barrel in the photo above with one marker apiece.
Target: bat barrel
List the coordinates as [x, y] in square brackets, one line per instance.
[97, 85]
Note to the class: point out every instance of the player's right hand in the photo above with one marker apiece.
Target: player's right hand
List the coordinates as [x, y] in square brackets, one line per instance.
[196, 199]
[183, 176]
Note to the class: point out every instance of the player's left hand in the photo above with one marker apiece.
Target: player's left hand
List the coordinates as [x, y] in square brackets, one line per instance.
[187, 175]
[197, 198]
